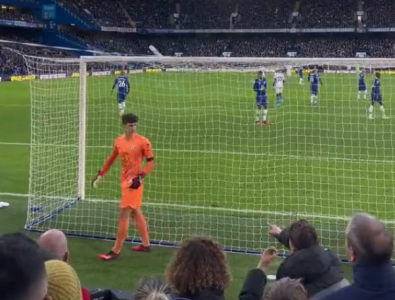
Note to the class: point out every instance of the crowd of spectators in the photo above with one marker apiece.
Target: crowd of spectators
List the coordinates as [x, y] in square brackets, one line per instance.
[154, 14]
[207, 14]
[225, 14]
[380, 13]
[10, 13]
[101, 13]
[327, 14]
[264, 14]
[199, 269]
[11, 62]
[222, 14]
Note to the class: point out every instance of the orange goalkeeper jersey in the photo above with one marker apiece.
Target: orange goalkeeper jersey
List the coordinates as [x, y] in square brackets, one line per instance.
[132, 153]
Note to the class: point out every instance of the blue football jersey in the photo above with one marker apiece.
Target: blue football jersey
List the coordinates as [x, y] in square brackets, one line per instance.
[361, 79]
[314, 79]
[376, 86]
[123, 85]
[300, 71]
[260, 87]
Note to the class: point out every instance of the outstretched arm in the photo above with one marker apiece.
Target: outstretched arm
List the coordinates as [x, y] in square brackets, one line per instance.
[109, 161]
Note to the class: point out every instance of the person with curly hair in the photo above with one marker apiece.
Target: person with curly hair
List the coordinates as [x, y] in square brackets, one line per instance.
[199, 270]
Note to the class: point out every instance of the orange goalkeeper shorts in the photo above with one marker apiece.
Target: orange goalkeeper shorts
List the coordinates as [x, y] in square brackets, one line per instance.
[132, 198]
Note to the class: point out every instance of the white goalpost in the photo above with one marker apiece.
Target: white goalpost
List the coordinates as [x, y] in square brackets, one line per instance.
[217, 173]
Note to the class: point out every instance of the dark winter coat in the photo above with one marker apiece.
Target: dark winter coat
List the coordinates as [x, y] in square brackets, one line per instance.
[206, 294]
[253, 285]
[370, 283]
[318, 268]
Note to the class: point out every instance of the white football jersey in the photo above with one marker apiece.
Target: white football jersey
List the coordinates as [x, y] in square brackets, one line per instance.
[279, 77]
[289, 71]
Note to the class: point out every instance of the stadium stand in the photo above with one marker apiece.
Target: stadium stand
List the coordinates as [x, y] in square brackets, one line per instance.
[10, 13]
[264, 14]
[271, 47]
[104, 13]
[326, 14]
[380, 13]
[151, 14]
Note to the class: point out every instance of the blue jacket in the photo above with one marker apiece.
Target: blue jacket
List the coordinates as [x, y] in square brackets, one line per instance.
[370, 283]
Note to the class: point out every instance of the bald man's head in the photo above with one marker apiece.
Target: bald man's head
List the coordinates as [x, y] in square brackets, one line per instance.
[368, 241]
[55, 242]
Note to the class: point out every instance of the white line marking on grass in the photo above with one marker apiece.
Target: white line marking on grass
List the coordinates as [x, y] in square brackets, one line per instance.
[166, 204]
[220, 152]
[15, 105]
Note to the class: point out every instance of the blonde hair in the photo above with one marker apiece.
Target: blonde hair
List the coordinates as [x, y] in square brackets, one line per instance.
[63, 281]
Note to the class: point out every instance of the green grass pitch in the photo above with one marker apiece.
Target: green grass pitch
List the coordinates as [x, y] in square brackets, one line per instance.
[217, 173]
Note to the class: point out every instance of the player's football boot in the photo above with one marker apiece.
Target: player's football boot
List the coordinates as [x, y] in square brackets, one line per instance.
[141, 248]
[267, 122]
[371, 118]
[385, 117]
[258, 123]
[109, 256]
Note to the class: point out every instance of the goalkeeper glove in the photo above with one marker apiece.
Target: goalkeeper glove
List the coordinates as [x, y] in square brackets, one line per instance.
[96, 180]
[136, 181]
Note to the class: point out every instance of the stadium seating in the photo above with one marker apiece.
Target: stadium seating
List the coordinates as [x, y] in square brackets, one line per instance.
[380, 13]
[17, 15]
[264, 14]
[327, 14]
[150, 14]
[208, 14]
[103, 13]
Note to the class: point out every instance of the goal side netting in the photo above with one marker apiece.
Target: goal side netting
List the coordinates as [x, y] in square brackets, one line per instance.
[217, 172]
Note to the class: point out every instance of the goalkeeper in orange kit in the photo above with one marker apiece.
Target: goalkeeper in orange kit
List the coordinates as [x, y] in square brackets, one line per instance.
[132, 149]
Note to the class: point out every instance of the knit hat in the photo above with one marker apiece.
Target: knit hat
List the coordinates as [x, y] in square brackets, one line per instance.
[63, 282]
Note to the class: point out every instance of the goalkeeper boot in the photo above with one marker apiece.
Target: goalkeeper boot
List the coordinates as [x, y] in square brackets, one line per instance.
[267, 122]
[258, 123]
[109, 256]
[141, 248]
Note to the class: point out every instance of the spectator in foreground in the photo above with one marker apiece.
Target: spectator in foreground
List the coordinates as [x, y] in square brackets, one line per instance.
[370, 248]
[22, 271]
[287, 289]
[199, 270]
[153, 289]
[63, 282]
[256, 279]
[320, 270]
[55, 242]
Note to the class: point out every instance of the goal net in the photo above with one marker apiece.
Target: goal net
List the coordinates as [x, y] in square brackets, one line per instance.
[217, 172]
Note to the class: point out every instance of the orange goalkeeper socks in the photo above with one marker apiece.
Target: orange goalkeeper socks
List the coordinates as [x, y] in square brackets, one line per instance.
[141, 226]
[123, 227]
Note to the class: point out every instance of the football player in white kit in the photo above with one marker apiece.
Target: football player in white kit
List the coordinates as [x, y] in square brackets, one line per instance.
[289, 73]
[278, 85]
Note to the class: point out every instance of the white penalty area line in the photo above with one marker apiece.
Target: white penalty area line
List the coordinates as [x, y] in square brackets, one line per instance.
[165, 204]
[224, 153]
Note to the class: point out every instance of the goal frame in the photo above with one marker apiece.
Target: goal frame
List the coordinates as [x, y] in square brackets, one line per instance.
[84, 60]
[172, 59]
